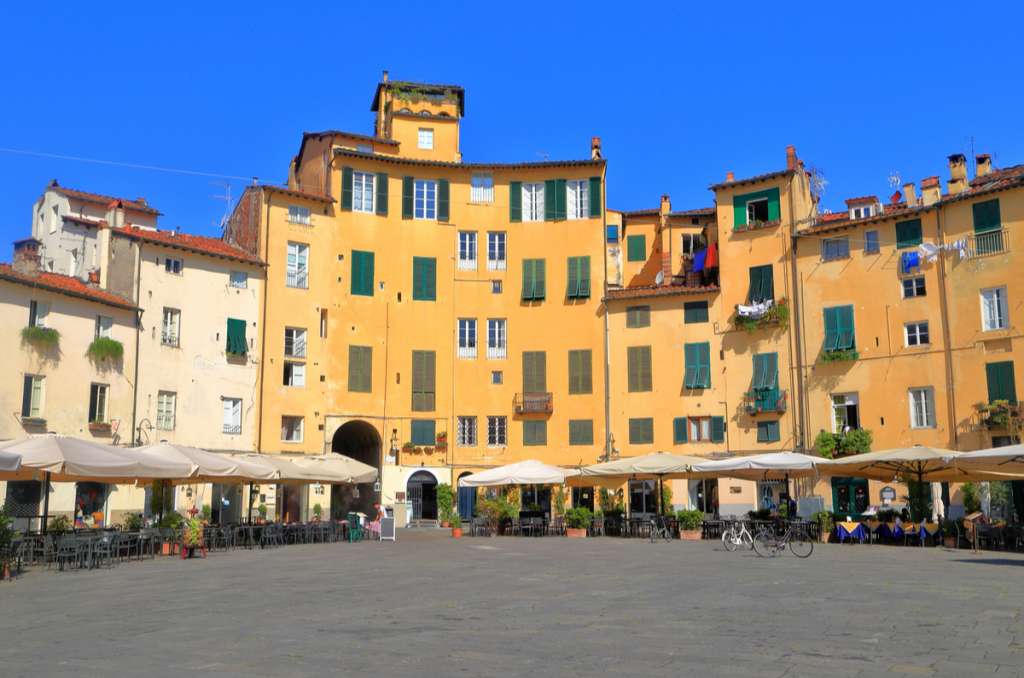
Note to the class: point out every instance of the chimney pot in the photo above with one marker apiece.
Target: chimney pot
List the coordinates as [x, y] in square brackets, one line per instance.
[595, 148]
[666, 204]
[729, 176]
[911, 193]
[983, 164]
[384, 76]
[26, 256]
[791, 157]
[931, 191]
[957, 166]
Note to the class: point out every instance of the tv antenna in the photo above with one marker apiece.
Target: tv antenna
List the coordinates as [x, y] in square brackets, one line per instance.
[226, 197]
[543, 155]
[818, 181]
[894, 179]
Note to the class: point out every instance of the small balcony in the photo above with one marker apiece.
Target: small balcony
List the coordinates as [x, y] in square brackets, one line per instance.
[988, 243]
[169, 339]
[533, 403]
[765, 401]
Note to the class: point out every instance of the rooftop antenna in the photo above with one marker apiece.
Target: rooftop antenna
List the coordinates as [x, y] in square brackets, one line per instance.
[818, 181]
[544, 155]
[895, 181]
[226, 197]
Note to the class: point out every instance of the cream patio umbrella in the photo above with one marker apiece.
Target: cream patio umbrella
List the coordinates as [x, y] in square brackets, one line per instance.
[919, 463]
[769, 466]
[655, 466]
[529, 472]
[206, 467]
[9, 463]
[995, 463]
[346, 469]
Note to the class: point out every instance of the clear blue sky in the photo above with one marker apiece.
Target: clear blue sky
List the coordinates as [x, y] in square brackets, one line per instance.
[679, 92]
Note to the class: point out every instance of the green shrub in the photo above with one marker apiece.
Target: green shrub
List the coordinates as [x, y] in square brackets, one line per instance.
[445, 500]
[172, 520]
[690, 520]
[919, 499]
[972, 497]
[559, 501]
[578, 518]
[262, 510]
[133, 521]
[318, 511]
[825, 520]
[839, 356]
[666, 499]
[832, 445]
[44, 337]
[105, 348]
[455, 519]
[760, 514]
[59, 524]
[206, 514]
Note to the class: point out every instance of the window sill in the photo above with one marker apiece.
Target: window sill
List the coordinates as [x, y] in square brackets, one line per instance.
[292, 442]
[33, 421]
[759, 226]
[825, 261]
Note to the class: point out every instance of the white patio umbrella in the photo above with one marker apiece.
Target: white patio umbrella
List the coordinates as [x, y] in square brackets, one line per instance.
[206, 467]
[529, 472]
[769, 466]
[995, 463]
[920, 463]
[655, 466]
[346, 469]
[9, 463]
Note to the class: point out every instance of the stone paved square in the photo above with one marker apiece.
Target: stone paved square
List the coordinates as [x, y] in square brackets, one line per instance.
[430, 605]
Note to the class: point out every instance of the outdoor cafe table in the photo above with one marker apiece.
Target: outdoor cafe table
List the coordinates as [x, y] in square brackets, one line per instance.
[851, 530]
[928, 530]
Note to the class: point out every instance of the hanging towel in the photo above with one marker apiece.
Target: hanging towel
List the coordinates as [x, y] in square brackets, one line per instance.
[699, 259]
[909, 261]
[929, 251]
[712, 259]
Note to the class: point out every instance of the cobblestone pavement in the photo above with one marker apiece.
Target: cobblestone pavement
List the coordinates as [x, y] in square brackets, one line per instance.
[430, 605]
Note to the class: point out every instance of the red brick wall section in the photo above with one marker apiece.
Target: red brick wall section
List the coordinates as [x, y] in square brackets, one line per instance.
[243, 228]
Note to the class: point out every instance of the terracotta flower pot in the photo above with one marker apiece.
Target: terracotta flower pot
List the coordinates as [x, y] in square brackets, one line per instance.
[949, 542]
[456, 532]
[576, 532]
[445, 524]
[690, 535]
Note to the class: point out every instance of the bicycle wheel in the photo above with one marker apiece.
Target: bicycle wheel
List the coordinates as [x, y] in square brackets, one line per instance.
[746, 539]
[800, 545]
[729, 540]
[764, 544]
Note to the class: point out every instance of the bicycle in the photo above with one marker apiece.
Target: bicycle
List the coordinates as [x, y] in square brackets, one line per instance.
[768, 545]
[660, 529]
[733, 537]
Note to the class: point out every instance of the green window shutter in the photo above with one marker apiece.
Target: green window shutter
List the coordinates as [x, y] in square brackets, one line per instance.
[717, 429]
[908, 233]
[560, 200]
[766, 371]
[528, 275]
[831, 342]
[739, 205]
[407, 197]
[424, 279]
[236, 343]
[535, 432]
[679, 431]
[423, 432]
[1001, 381]
[515, 201]
[571, 272]
[638, 316]
[443, 199]
[535, 372]
[360, 369]
[550, 200]
[539, 279]
[986, 216]
[697, 360]
[638, 359]
[362, 273]
[636, 248]
[382, 194]
[346, 189]
[847, 333]
[583, 278]
[641, 431]
[423, 381]
[580, 372]
[767, 431]
[581, 431]
[695, 312]
[595, 196]
[26, 397]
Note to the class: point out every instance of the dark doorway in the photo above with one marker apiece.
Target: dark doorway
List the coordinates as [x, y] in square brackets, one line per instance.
[467, 499]
[22, 502]
[849, 496]
[421, 491]
[360, 441]
[583, 497]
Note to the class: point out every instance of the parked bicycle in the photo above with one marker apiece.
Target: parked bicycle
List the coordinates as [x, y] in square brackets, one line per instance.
[660, 529]
[737, 535]
[768, 544]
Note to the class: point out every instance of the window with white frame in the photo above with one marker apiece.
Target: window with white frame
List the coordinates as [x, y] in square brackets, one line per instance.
[690, 243]
[32, 396]
[497, 339]
[922, 407]
[294, 374]
[995, 312]
[170, 333]
[862, 212]
[239, 279]
[845, 412]
[577, 193]
[425, 199]
[425, 138]
[467, 250]
[467, 337]
[173, 266]
[913, 287]
[700, 428]
[916, 334]
[533, 202]
[297, 266]
[298, 214]
[166, 402]
[295, 342]
[104, 325]
[98, 403]
[496, 251]
[362, 191]
[37, 312]
[481, 187]
[465, 435]
[291, 429]
[757, 211]
[232, 415]
[497, 431]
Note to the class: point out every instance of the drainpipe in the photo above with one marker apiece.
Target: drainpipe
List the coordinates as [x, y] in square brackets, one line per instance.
[138, 332]
[263, 339]
[795, 328]
[947, 350]
[607, 368]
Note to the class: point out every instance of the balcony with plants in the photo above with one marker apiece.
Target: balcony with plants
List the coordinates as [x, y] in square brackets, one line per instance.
[1000, 415]
[104, 351]
[42, 338]
[762, 315]
[533, 403]
[835, 445]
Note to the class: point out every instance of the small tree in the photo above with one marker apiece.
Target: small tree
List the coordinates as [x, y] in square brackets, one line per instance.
[559, 501]
[445, 500]
[666, 499]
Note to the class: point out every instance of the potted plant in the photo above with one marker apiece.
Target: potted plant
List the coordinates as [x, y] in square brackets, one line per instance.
[43, 338]
[171, 521]
[456, 521]
[103, 349]
[491, 511]
[577, 520]
[59, 523]
[262, 510]
[690, 523]
[949, 534]
[133, 522]
[191, 538]
[826, 523]
[206, 515]
[318, 512]
[445, 500]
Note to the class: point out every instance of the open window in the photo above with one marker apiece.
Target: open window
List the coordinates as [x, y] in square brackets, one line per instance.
[757, 211]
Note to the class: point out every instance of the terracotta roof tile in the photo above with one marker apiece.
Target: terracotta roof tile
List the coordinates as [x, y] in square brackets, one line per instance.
[645, 291]
[699, 212]
[199, 244]
[998, 174]
[296, 193]
[64, 284]
[653, 211]
[928, 182]
[470, 165]
[751, 180]
[863, 200]
[101, 199]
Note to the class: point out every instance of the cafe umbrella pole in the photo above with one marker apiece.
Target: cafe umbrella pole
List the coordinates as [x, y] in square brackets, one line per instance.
[250, 502]
[46, 500]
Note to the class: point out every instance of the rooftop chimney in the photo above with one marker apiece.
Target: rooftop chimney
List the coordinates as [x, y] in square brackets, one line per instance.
[666, 205]
[595, 148]
[931, 191]
[141, 201]
[26, 256]
[729, 176]
[957, 174]
[983, 164]
[384, 76]
[911, 193]
[791, 157]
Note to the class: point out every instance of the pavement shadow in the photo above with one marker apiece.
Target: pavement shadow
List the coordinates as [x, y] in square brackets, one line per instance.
[992, 561]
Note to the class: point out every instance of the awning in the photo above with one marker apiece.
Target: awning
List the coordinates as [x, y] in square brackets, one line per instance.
[919, 463]
[207, 466]
[71, 459]
[649, 466]
[996, 463]
[529, 472]
[9, 462]
[770, 466]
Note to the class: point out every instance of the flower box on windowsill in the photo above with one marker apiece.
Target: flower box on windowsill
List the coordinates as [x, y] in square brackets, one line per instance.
[756, 226]
[754, 405]
[839, 356]
[100, 428]
[776, 316]
[34, 422]
[40, 337]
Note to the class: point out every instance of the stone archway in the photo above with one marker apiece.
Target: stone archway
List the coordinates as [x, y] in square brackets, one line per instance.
[421, 490]
[360, 441]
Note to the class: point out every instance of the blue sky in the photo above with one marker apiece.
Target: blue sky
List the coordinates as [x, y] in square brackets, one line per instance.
[679, 94]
